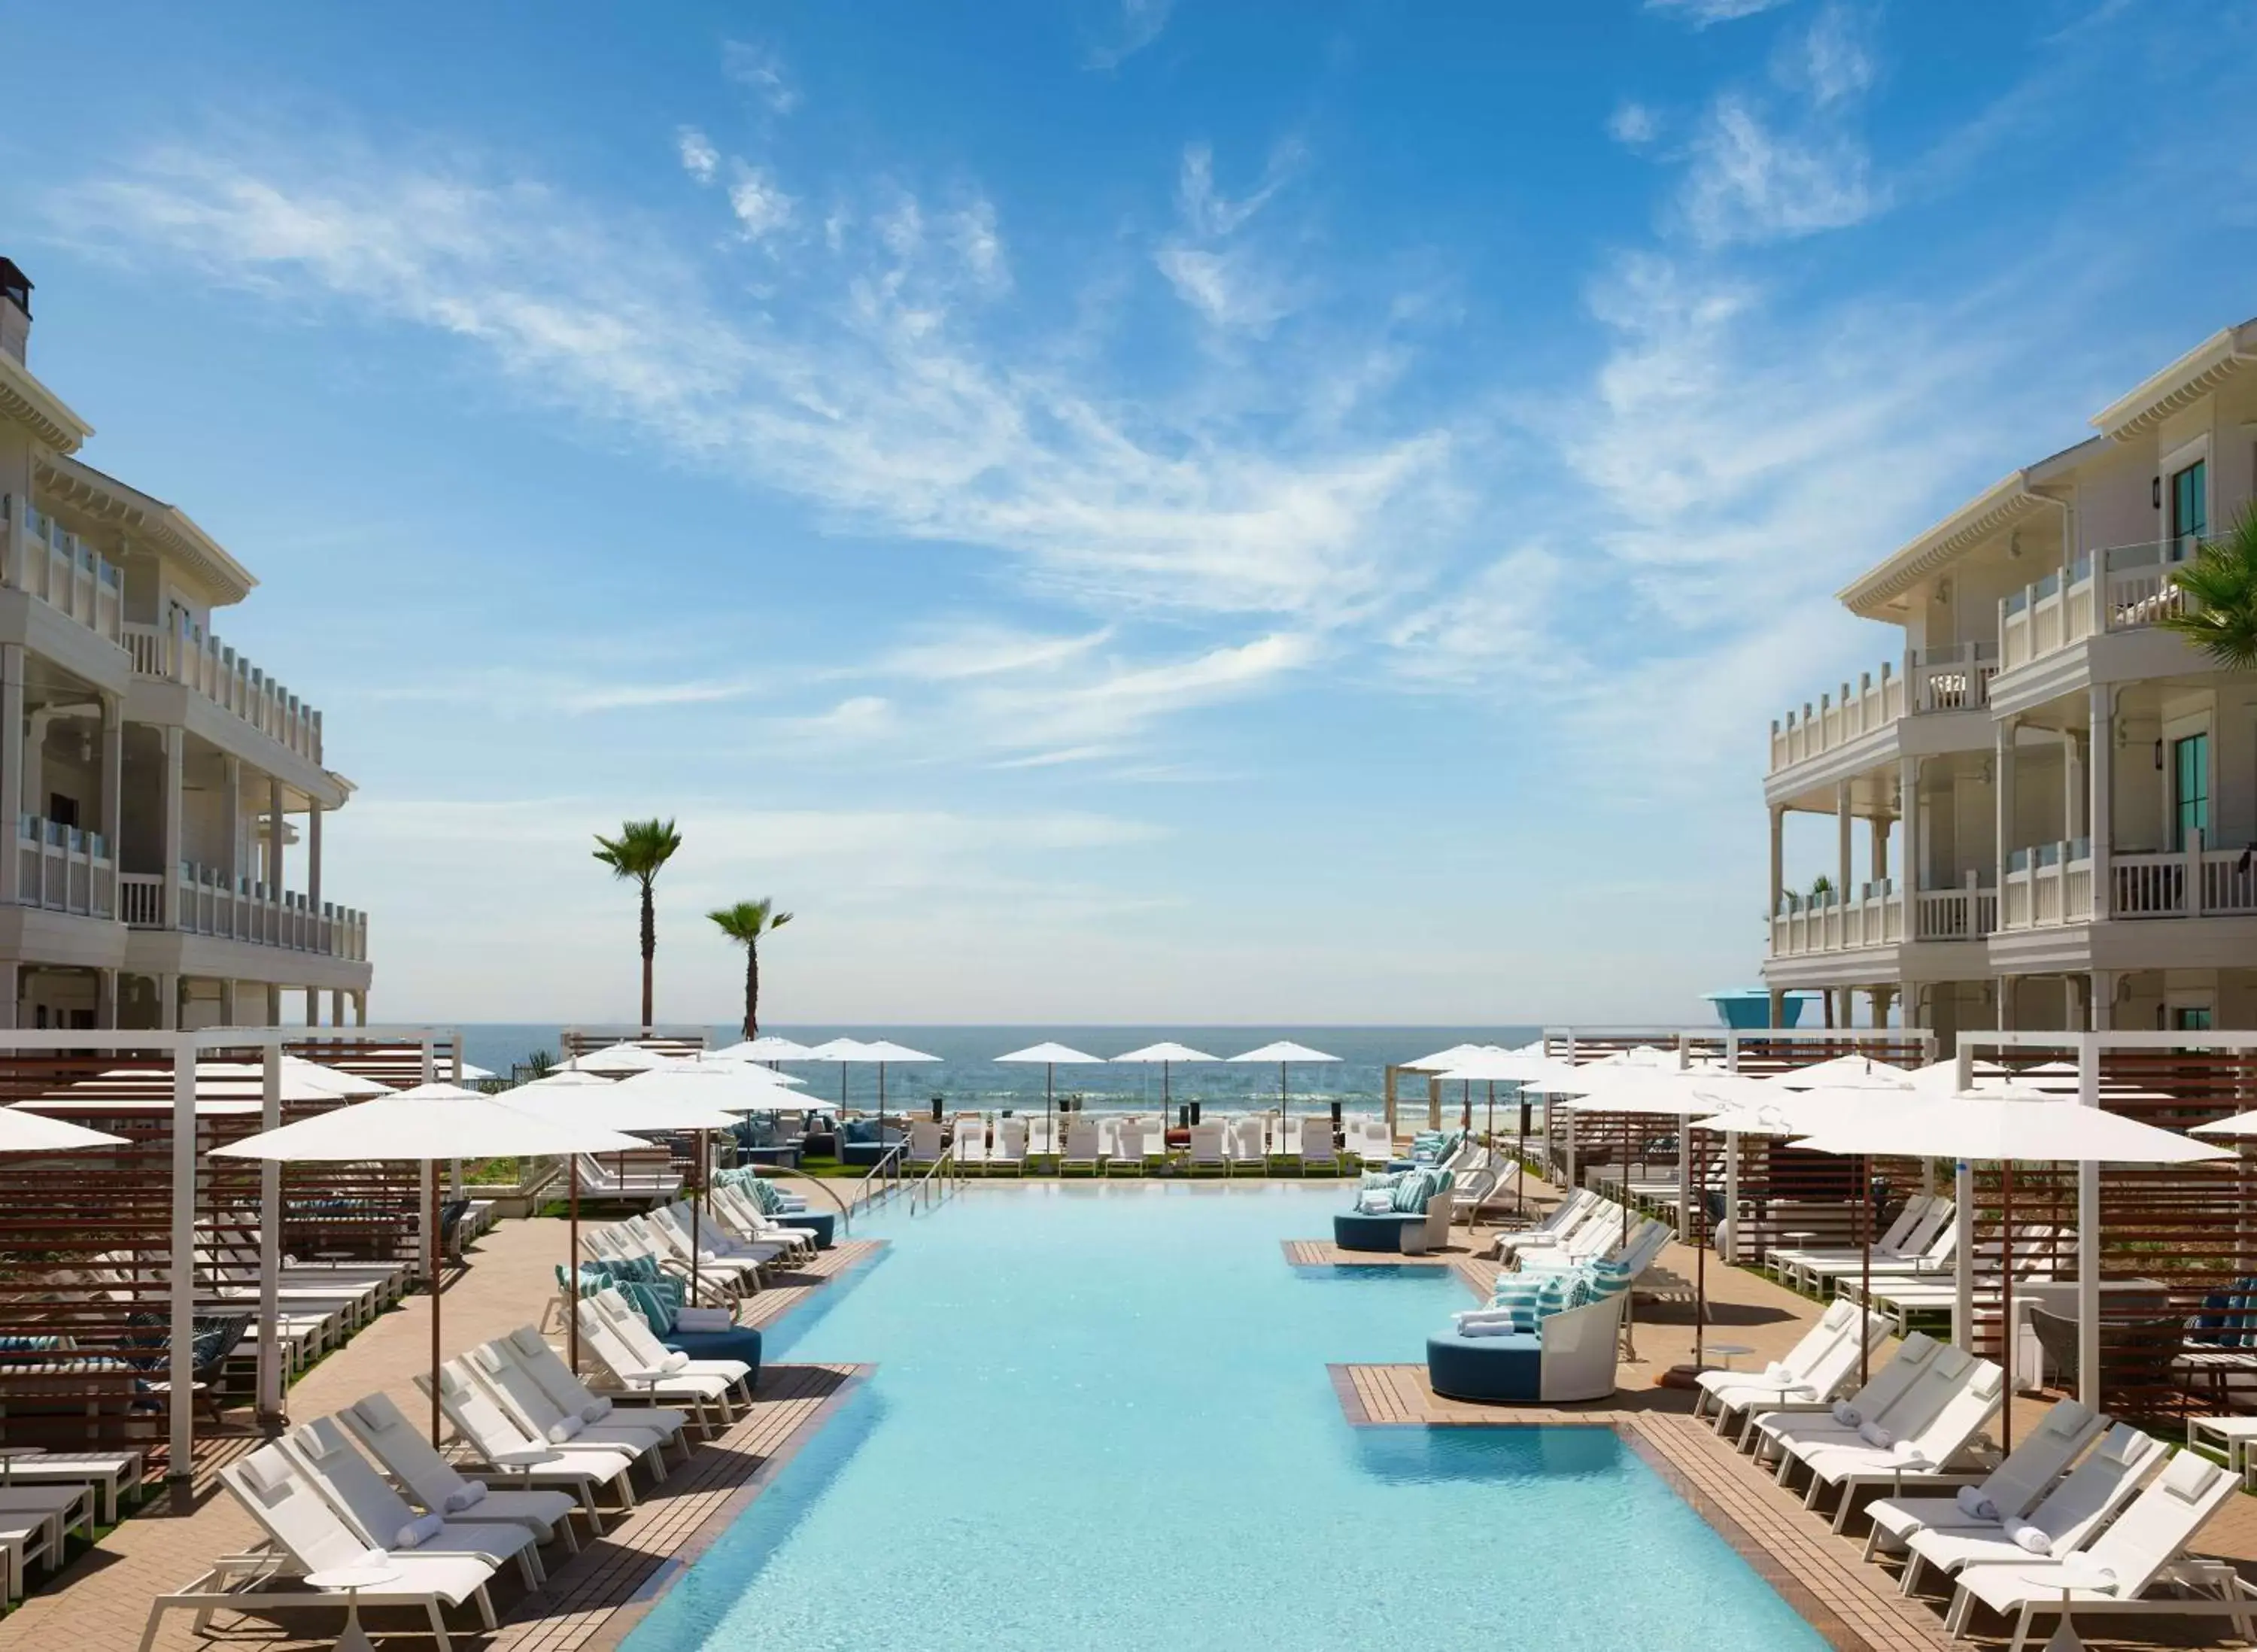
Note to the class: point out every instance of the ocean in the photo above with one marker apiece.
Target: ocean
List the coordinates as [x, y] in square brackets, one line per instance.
[966, 1076]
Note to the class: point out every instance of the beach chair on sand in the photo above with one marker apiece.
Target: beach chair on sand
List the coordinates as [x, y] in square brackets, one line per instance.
[2122, 1571]
[1008, 1151]
[381, 1517]
[971, 1146]
[1950, 1536]
[1084, 1147]
[384, 1433]
[499, 1438]
[306, 1536]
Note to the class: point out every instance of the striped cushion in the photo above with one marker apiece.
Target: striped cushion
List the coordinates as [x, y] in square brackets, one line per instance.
[1555, 1295]
[1381, 1178]
[1607, 1279]
[1520, 1298]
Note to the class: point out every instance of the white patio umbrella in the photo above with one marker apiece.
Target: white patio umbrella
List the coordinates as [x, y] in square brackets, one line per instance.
[1167, 1054]
[1441, 1059]
[1487, 1064]
[467, 1072]
[35, 1133]
[1844, 1072]
[609, 1106]
[1282, 1052]
[616, 1061]
[767, 1048]
[428, 1125]
[885, 1052]
[1737, 1119]
[1052, 1056]
[2242, 1123]
[2002, 1126]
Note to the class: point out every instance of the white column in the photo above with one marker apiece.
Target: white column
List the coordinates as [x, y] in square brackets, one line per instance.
[232, 767]
[313, 1007]
[2099, 814]
[2102, 999]
[1963, 1222]
[270, 1234]
[2088, 1236]
[313, 858]
[168, 1002]
[275, 868]
[113, 776]
[2073, 793]
[227, 1009]
[10, 986]
[2002, 795]
[180, 1468]
[105, 998]
[360, 1008]
[337, 1007]
[11, 771]
[1842, 823]
[1777, 859]
[175, 751]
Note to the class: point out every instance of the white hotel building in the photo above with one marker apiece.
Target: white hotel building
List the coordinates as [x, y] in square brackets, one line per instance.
[164, 793]
[2045, 810]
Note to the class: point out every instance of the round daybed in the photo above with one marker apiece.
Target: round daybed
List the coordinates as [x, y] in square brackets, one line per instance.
[1354, 1231]
[1570, 1356]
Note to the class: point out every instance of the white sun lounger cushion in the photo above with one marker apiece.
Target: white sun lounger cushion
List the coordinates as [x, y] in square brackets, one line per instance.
[2188, 1475]
[527, 1340]
[377, 1419]
[267, 1475]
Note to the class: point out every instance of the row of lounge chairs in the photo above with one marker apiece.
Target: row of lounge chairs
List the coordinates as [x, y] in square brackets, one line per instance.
[1133, 1145]
[2080, 1514]
[550, 1445]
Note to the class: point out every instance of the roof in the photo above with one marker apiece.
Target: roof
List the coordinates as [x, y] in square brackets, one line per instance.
[2002, 504]
[24, 399]
[2184, 382]
[163, 527]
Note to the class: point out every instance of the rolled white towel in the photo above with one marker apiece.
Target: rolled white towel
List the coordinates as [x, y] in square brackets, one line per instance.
[1975, 1506]
[1779, 1376]
[1846, 1414]
[1874, 1434]
[2031, 1538]
[1487, 1328]
[468, 1494]
[673, 1362]
[1483, 1316]
[565, 1429]
[418, 1531]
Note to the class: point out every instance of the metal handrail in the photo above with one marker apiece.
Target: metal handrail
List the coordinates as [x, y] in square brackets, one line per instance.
[885, 1178]
[953, 1181]
[845, 1211]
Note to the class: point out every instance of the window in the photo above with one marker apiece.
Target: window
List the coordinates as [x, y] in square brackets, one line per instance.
[62, 810]
[2190, 507]
[2189, 789]
[2191, 1018]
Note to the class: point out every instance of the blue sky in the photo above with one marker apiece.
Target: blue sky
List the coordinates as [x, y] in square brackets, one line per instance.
[1118, 509]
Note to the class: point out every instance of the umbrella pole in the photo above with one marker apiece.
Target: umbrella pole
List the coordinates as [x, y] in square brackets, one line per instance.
[437, 1248]
[1700, 1260]
[1520, 1164]
[1865, 1261]
[697, 1228]
[1049, 1093]
[572, 1278]
[2006, 1300]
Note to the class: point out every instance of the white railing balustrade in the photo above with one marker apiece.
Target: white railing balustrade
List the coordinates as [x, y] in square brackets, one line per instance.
[210, 904]
[66, 572]
[2047, 885]
[1967, 913]
[1952, 679]
[63, 869]
[2123, 587]
[2195, 882]
[183, 655]
[1805, 924]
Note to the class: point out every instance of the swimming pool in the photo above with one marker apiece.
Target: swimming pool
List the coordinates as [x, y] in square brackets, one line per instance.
[1102, 1418]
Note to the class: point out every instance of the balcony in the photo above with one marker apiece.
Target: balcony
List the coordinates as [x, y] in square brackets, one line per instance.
[182, 653]
[67, 574]
[62, 869]
[2047, 885]
[2126, 588]
[2194, 883]
[1952, 679]
[245, 911]
[1807, 925]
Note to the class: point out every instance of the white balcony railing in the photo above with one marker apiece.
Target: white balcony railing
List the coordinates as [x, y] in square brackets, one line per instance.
[183, 655]
[245, 911]
[1804, 925]
[66, 572]
[2195, 882]
[1952, 679]
[62, 869]
[1967, 913]
[2125, 588]
[2047, 885]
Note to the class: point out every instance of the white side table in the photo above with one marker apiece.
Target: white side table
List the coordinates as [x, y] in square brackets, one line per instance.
[1726, 1351]
[352, 1579]
[2067, 1578]
[525, 1460]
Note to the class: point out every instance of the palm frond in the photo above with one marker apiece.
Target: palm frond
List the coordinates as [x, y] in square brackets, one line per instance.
[2220, 583]
[640, 851]
[747, 921]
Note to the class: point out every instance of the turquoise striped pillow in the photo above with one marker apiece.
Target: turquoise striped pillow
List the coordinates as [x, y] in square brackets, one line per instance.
[1410, 1194]
[1382, 1178]
[1520, 1298]
[1607, 1279]
[1554, 1295]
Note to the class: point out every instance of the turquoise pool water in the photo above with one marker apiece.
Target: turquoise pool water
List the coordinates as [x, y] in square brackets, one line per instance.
[1102, 1418]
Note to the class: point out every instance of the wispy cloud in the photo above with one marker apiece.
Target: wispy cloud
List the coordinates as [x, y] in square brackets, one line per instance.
[865, 384]
[1232, 284]
[760, 70]
[1753, 182]
[760, 202]
[699, 158]
[1132, 25]
[1701, 13]
[1633, 124]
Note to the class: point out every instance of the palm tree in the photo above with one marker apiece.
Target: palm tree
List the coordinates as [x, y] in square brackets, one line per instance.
[640, 851]
[745, 923]
[2220, 584]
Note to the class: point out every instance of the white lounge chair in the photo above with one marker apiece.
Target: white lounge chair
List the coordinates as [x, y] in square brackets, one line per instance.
[1817, 1371]
[2118, 1573]
[1084, 1147]
[1316, 1147]
[640, 1369]
[386, 1433]
[2066, 1517]
[308, 1536]
[504, 1441]
[1838, 1421]
[1923, 1456]
[971, 1144]
[1124, 1141]
[2027, 1474]
[1042, 1136]
[495, 1365]
[926, 1144]
[1250, 1147]
[381, 1518]
[1008, 1149]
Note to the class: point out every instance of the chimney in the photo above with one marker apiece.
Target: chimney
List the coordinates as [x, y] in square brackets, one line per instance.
[15, 309]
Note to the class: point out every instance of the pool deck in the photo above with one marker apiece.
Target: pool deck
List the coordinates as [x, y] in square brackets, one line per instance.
[101, 1601]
